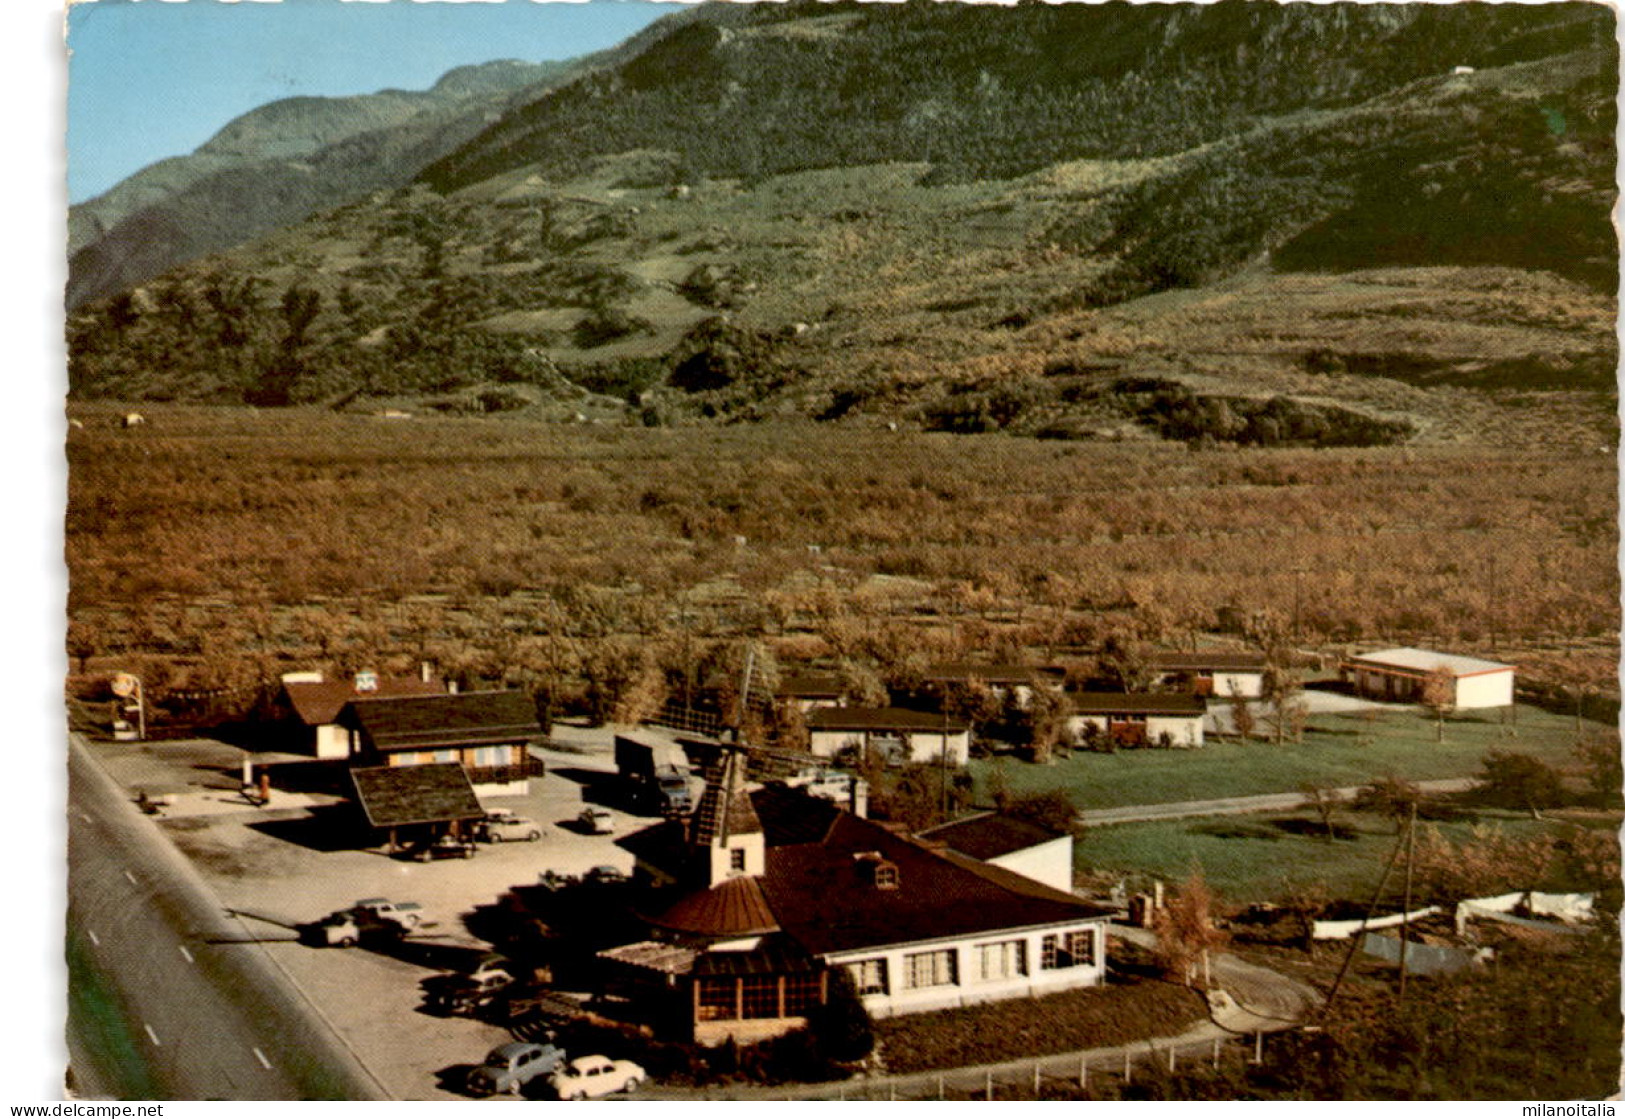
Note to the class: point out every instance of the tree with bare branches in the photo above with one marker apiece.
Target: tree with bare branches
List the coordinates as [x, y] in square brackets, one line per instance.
[1186, 933]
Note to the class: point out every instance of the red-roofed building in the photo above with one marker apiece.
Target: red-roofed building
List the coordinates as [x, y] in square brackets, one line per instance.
[783, 887]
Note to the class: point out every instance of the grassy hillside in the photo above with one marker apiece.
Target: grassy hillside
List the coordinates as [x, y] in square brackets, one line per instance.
[1242, 223]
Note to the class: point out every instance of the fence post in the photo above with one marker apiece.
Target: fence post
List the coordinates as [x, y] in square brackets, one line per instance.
[1173, 1051]
[1128, 1068]
[1215, 1054]
[939, 1086]
[1036, 1085]
[989, 1083]
[1083, 1072]
[891, 1090]
[1258, 1047]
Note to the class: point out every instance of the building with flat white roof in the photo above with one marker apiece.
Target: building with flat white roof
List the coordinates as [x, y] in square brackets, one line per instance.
[1399, 675]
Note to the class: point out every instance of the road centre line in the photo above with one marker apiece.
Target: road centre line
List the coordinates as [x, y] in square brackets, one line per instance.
[152, 1034]
[261, 1056]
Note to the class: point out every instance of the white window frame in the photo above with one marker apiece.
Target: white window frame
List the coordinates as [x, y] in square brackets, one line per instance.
[936, 968]
[1001, 959]
[870, 976]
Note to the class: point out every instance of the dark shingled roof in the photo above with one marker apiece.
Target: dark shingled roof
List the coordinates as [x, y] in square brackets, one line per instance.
[811, 685]
[415, 794]
[1215, 659]
[1132, 703]
[469, 719]
[989, 835]
[880, 718]
[825, 901]
[318, 704]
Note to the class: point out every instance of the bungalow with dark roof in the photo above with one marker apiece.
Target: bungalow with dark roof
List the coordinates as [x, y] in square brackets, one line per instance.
[1212, 672]
[1005, 841]
[1401, 674]
[777, 888]
[1003, 680]
[314, 703]
[895, 733]
[811, 690]
[1139, 719]
[488, 733]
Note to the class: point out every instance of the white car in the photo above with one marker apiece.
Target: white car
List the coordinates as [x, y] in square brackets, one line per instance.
[588, 1078]
[502, 826]
[598, 821]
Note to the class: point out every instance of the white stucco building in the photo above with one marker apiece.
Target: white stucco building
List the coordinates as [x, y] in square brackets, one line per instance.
[1400, 674]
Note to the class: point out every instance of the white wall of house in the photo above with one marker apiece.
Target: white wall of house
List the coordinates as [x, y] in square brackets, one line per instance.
[1242, 685]
[332, 741]
[1049, 863]
[923, 746]
[935, 975]
[1488, 689]
[1185, 730]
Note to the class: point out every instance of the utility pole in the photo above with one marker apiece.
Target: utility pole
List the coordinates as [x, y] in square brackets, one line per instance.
[1405, 910]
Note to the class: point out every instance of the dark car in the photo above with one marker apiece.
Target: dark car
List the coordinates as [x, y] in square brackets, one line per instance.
[508, 1068]
[446, 847]
[605, 876]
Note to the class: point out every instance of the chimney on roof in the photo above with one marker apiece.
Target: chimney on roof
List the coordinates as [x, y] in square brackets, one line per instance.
[366, 681]
[859, 789]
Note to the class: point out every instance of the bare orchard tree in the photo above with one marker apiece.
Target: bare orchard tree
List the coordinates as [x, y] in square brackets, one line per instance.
[1186, 934]
[1438, 695]
[1242, 714]
[1288, 714]
[1325, 800]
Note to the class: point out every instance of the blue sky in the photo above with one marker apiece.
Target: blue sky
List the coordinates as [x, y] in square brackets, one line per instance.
[155, 78]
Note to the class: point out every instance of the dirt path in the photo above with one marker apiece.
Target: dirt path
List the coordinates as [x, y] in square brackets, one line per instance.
[1230, 806]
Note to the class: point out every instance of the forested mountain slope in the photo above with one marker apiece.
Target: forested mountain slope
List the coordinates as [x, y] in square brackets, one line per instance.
[1304, 223]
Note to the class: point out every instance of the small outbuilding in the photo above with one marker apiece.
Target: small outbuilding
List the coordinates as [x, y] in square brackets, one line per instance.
[1139, 718]
[895, 733]
[1399, 675]
[1016, 845]
[1212, 672]
[312, 703]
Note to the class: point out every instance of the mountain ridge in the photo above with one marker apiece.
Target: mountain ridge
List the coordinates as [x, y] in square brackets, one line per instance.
[738, 217]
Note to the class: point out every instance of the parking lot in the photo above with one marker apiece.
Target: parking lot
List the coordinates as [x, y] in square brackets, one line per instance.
[292, 861]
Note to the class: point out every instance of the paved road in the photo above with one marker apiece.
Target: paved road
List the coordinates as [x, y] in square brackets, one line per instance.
[170, 1000]
[1230, 806]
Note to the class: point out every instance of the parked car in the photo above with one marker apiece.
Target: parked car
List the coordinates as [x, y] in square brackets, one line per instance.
[604, 876]
[445, 847]
[588, 1078]
[598, 821]
[508, 1068]
[407, 914]
[455, 993]
[337, 930]
[501, 825]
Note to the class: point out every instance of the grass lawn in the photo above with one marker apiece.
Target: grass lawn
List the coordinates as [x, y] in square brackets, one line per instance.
[1254, 858]
[1337, 749]
[1088, 1018]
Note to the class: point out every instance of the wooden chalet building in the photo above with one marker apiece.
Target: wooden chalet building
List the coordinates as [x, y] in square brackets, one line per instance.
[487, 733]
[773, 889]
[417, 803]
[313, 704]
[1140, 718]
